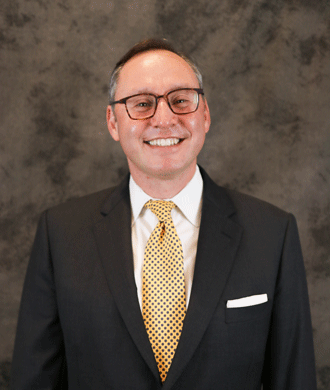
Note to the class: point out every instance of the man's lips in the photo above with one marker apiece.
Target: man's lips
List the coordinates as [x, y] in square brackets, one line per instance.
[164, 141]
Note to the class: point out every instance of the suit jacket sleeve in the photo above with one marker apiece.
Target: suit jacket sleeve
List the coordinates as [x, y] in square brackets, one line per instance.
[39, 356]
[289, 359]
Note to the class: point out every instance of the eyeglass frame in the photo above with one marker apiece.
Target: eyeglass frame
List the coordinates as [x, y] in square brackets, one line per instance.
[199, 91]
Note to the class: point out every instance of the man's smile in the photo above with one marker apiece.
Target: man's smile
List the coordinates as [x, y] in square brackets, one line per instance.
[164, 141]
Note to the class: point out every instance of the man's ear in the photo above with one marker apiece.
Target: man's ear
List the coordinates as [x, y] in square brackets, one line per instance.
[207, 117]
[112, 123]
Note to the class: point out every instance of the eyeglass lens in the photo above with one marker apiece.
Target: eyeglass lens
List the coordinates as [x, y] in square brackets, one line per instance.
[144, 105]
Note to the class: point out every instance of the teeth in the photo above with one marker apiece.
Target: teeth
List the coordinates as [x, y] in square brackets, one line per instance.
[164, 142]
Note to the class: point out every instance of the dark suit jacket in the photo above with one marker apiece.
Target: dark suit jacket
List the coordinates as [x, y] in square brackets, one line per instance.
[80, 325]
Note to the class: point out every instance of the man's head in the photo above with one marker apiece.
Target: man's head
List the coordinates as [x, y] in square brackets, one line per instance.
[165, 145]
[141, 47]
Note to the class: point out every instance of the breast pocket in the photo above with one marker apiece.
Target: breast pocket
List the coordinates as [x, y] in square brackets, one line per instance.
[249, 313]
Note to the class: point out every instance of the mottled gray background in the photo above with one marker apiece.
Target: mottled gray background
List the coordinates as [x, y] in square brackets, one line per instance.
[266, 65]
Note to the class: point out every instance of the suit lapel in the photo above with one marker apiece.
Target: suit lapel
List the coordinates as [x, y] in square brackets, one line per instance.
[218, 241]
[113, 237]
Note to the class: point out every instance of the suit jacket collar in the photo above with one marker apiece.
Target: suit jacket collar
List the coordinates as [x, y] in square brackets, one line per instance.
[219, 238]
[215, 194]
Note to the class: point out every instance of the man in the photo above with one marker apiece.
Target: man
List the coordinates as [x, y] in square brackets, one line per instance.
[103, 267]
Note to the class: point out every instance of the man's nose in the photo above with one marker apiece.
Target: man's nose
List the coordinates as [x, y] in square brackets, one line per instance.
[164, 116]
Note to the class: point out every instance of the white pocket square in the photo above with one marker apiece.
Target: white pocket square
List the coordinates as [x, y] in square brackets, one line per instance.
[247, 301]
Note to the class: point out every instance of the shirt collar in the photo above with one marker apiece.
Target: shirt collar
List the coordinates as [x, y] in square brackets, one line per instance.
[188, 199]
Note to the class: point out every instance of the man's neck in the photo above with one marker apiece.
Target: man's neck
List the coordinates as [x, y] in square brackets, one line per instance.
[163, 187]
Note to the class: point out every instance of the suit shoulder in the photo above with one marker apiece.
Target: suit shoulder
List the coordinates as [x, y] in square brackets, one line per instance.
[80, 210]
[243, 206]
[248, 206]
[261, 221]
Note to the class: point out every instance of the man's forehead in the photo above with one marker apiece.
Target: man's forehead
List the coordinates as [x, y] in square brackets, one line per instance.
[156, 68]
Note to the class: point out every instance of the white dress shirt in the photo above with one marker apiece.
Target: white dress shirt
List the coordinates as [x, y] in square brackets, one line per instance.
[186, 218]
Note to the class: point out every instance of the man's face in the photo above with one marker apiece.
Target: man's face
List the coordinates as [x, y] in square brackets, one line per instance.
[158, 72]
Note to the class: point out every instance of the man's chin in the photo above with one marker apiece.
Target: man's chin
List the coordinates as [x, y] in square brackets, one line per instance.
[171, 171]
[166, 169]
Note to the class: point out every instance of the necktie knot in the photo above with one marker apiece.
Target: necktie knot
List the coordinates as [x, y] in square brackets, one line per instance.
[161, 208]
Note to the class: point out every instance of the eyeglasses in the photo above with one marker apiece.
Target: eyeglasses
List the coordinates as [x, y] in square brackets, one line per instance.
[144, 105]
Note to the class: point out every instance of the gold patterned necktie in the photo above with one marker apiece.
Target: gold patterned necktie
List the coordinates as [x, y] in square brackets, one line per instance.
[163, 287]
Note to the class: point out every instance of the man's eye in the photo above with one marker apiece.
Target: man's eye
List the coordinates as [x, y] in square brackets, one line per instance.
[180, 101]
[143, 104]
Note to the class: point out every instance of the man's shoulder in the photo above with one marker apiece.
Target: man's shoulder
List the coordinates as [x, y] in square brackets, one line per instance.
[235, 202]
[80, 210]
[256, 214]
[250, 203]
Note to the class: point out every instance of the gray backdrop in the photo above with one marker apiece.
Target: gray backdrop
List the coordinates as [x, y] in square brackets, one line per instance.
[266, 65]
